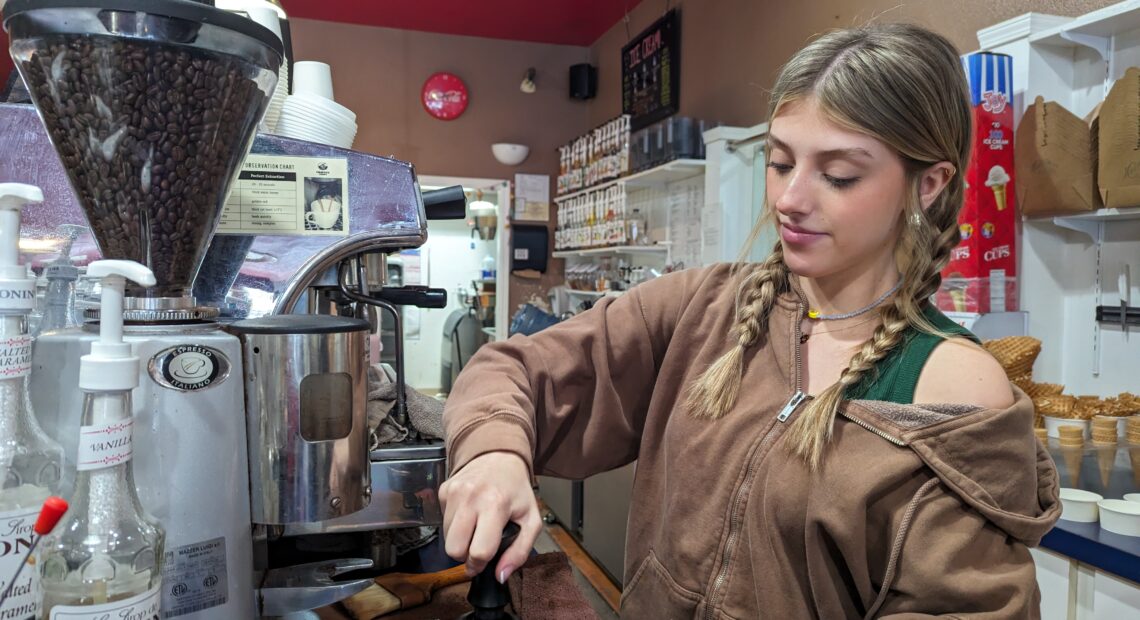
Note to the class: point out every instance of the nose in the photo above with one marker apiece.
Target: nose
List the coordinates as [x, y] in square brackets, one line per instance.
[791, 195]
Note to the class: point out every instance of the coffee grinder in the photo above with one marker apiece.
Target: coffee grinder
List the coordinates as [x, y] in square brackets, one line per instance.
[151, 106]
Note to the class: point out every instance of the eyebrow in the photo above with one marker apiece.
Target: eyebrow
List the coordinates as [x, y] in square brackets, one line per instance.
[849, 153]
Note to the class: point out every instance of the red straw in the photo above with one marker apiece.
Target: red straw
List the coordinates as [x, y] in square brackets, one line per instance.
[50, 514]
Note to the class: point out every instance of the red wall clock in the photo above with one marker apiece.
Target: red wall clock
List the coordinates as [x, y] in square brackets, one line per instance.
[444, 96]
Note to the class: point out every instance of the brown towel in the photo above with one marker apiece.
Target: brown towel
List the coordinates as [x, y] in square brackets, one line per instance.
[545, 589]
[424, 412]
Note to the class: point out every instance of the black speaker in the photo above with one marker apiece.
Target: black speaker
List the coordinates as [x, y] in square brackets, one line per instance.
[583, 81]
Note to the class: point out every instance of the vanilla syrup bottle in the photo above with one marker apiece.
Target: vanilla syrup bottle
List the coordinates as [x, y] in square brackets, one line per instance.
[29, 459]
[104, 559]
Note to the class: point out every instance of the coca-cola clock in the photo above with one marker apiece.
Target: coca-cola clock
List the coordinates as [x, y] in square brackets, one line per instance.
[444, 96]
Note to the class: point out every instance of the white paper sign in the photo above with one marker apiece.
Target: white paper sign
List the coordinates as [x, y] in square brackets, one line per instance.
[278, 195]
[532, 197]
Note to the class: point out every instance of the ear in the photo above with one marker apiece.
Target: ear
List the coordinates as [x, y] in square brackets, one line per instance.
[934, 180]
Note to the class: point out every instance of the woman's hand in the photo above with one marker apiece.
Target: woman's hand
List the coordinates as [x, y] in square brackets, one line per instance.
[478, 501]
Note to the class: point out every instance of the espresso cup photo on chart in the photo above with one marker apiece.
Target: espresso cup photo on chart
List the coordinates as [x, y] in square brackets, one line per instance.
[323, 205]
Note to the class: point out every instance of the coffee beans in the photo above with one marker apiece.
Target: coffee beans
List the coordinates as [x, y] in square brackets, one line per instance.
[148, 134]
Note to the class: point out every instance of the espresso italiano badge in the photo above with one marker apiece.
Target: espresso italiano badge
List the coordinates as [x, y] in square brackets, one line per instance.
[189, 368]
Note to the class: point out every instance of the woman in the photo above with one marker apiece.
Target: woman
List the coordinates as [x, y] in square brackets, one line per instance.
[909, 484]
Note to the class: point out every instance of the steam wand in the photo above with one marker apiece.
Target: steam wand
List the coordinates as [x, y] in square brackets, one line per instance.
[50, 514]
[400, 414]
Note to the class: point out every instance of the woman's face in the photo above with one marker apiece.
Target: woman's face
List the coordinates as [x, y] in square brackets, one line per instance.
[837, 194]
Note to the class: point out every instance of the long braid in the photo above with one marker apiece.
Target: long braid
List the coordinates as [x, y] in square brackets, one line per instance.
[714, 393]
[904, 86]
[936, 231]
[811, 430]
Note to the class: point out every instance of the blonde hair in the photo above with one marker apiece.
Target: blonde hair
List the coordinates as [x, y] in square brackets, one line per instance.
[906, 87]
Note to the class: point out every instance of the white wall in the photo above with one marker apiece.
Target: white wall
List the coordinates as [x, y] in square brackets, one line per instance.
[452, 262]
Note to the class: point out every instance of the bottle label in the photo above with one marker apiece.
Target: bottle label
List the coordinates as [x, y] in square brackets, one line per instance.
[104, 445]
[15, 540]
[18, 295]
[146, 606]
[196, 578]
[15, 357]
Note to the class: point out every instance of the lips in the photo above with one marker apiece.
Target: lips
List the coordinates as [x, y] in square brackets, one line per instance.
[798, 235]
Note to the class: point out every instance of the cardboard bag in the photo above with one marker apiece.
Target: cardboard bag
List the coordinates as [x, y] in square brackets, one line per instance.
[1119, 168]
[1054, 162]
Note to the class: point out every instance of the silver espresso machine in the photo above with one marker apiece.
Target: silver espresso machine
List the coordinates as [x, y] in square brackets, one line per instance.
[251, 445]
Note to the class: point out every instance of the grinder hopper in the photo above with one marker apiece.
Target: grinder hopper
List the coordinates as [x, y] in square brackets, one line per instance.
[151, 105]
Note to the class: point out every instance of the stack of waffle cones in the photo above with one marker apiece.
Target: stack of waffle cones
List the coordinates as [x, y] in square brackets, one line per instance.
[1072, 441]
[1104, 441]
[1054, 406]
[1016, 355]
[1133, 437]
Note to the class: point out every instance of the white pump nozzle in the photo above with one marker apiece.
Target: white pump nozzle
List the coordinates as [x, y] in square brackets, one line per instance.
[111, 367]
[17, 290]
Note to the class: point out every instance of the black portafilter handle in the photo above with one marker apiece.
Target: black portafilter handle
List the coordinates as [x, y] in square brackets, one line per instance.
[445, 203]
[418, 296]
[487, 596]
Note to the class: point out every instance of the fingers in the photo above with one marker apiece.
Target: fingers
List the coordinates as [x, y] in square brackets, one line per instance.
[457, 534]
[517, 554]
[485, 542]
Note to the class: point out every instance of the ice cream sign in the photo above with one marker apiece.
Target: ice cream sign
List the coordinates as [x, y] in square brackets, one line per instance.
[997, 180]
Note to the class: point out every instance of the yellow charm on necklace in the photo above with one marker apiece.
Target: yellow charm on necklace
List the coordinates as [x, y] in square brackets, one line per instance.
[813, 314]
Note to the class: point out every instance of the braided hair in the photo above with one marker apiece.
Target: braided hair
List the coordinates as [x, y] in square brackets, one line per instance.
[905, 86]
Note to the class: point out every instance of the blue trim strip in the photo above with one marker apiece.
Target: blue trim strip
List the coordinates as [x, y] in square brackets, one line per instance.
[1088, 543]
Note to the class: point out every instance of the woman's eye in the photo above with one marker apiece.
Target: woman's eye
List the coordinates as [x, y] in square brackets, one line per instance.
[780, 169]
[840, 182]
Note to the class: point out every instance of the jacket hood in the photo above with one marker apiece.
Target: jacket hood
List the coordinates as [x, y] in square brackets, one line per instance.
[990, 458]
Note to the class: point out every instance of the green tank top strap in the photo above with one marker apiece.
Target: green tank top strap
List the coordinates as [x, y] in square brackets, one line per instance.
[896, 376]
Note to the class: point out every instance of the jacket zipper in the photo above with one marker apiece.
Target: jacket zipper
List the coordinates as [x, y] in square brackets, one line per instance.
[890, 438]
[734, 523]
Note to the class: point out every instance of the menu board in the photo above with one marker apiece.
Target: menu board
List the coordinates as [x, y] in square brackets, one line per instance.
[651, 72]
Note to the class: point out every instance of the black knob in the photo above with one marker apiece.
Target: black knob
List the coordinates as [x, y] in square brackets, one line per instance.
[487, 596]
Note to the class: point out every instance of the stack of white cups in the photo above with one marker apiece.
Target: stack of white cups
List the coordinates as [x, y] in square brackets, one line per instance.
[311, 113]
[268, 17]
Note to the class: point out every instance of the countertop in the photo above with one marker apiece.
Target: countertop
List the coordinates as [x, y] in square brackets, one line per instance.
[1088, 543]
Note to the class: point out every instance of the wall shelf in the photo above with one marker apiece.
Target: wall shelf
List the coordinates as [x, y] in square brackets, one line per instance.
[1093, 29]
[624, 249]
[589, 190]
[669, 172]
[1092, 224]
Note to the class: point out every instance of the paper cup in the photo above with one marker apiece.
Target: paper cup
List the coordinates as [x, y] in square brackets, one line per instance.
[314, 78]
[1079, 506]
[1119, 516]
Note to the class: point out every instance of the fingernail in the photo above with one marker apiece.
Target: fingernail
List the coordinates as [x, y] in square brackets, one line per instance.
[469, 571]
[505, 573]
